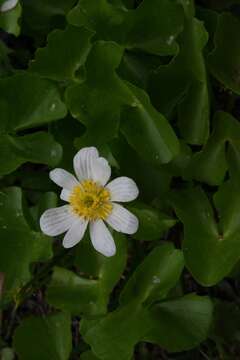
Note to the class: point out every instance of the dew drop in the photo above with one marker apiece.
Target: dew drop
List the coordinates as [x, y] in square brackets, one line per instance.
[155, 279]
[53, 107]
[170, 40]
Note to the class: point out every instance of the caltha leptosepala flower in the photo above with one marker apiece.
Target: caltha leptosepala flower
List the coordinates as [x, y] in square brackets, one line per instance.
[92, 200]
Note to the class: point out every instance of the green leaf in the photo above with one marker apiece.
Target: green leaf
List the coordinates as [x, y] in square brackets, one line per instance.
[88, 355]
[140, 320]
[5, 66]
[175, 325]
[153, 183]
[155, 276]
[54, 62]
[142, 123]
[95, 279]
[42, 16]
[100, 117]
[39, 148]
[9, 20]
[109, 341]
[64, 132]
[210, 249]
[181, 324]
[219, 154]
[152, 223]
[36, 102]
[17, 238]
[70, 292]
[148, 131]
[187, 71]
[46, 338]
[224, 59]
[164, 21]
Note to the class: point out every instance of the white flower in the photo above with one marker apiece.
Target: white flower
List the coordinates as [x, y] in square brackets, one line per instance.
[90, 202]
[8, 5]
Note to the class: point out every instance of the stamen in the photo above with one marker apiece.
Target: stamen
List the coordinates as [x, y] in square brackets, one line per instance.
[91, 201]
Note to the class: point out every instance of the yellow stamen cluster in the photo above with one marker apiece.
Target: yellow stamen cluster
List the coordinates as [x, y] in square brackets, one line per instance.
[91, 201]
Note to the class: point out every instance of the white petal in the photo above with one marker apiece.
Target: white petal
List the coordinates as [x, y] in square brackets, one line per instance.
[122, 220]
[8, 5]
[75, 233]
[63, 178]
[101, 170]
[101, 238]
[83, 162]
[123, 189]
[56, 221]
[65, 194]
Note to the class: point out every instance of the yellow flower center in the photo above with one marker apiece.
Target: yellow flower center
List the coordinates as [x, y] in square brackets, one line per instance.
[91, 200]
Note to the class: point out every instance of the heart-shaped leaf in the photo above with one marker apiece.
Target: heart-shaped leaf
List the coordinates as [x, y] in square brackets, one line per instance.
[210, 249]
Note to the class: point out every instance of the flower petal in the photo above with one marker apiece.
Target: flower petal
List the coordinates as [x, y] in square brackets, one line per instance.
[101, 171]
[65, 194]
[63, 178]
[101, 238]
[122, 220]
[83, 162]
[123, 189]
[75, 233]
[56, 221]
[8, 5]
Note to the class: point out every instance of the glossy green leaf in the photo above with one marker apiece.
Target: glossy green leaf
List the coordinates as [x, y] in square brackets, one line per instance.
[96, 276]
[155, 276]
[36, 102]
[220, 153]
[108, 341]
[210, 249]
[100, 117]
[39, 147]
[152, 223]
[148, 131]
[180, 324]
[65, 132]
[137, 67]
[54, 61]
[164, 21]
[153, 183]
[187, 71]
[175, 325]
[224, 59]
[70, 292]
[46, 337]
[9, 20]
[141, 124]
[17, 238]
